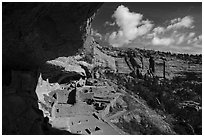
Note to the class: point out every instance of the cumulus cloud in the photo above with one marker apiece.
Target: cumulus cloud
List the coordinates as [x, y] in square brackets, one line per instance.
[175, 24]
[197, 41]
[194, 40]
[131, 25]
[173, 21]
[185, 22]
[159, 30]
[171, 34]
[162, 41]
[180, 39]
[134, 30]
[190, 37]
[176, 39]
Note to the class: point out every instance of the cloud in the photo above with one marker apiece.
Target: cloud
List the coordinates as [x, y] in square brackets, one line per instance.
[194, 40]
[159, 30]
[191, 35]
[180, 39]
[162, 41]
[176, 39]
[197, 41]
[171, 35]
[186, 22]
[131, 28]
[173, 21]
[175, 24]
[107, 23]
[131, 25]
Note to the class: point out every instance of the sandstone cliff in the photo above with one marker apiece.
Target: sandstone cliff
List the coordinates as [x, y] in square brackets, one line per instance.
[33, 33]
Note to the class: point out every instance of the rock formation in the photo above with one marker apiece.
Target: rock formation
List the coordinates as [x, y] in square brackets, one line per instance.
[85, 88]
[39, 32]
[33, 33]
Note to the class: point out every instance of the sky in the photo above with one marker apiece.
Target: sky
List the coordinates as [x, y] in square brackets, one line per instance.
[174, 27]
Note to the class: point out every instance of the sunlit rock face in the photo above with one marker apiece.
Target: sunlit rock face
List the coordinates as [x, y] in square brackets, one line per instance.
[36, 32]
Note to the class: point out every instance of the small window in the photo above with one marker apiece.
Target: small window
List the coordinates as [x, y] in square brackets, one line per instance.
[88, 131]
[97, 129]
[57, 110]
[79, 132]
[95, 116]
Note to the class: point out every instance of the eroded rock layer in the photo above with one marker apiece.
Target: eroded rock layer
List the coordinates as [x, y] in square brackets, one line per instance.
[36, 32]
[33, 33]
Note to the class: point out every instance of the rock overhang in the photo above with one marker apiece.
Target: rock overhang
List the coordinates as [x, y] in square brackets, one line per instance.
[33, 33]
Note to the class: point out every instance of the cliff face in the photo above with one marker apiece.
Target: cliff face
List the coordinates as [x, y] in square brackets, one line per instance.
[36, 32]
[33, 33]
